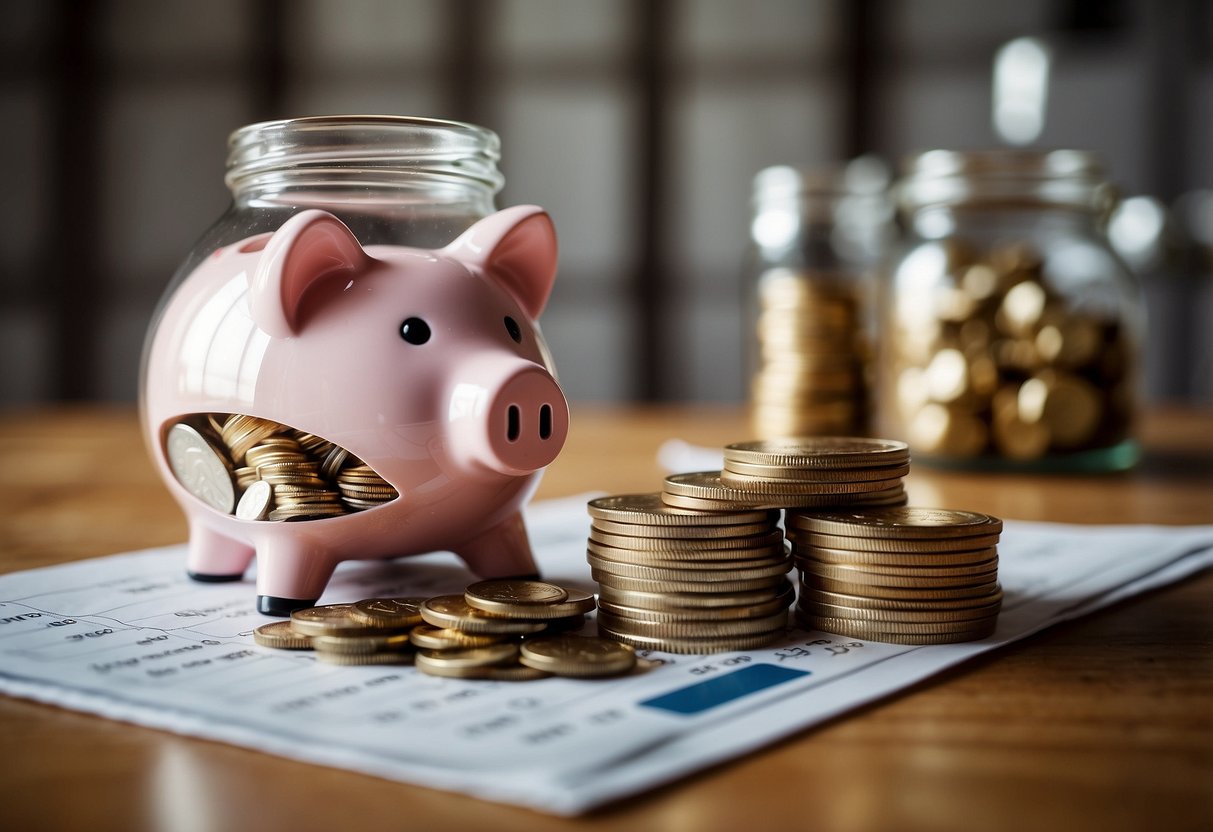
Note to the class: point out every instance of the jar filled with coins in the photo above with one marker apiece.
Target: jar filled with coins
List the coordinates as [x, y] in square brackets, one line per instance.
[393, 181]
[816, 236]
[1010, 331]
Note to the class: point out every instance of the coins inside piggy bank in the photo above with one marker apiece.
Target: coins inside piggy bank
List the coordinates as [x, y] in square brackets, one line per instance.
[259, 469]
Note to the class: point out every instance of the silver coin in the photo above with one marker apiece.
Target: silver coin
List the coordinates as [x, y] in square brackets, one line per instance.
[200, 468]
[255, 502]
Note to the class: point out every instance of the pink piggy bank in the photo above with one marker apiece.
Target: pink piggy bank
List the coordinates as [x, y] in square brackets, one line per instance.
[417, 376]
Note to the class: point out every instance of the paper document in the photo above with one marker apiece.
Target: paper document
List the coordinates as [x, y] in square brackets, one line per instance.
[132, 638]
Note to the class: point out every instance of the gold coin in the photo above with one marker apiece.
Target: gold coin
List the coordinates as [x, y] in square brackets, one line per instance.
[820, 452]
[255, 501]
[814, 596]
[389, 612]
[901, 593]
[506, 597]
[330, 620]
[716, 570]
[575, 605]
[651, 510]
[709, 586]
[742, 471]
[900, 616]
[731, 613]
[708, 504]
[454, 612]
[895, 628]
[712, 485]
[509, 673]
[281, 636]
[349, 659]
[693, 629]
[674, 601]
[360, 645]
[681, 533]
[201, 468]
[880, 560]
[852, 571]
[440, 638]
[888, 545]
[861, 577]
[767, 540]
[577, 656]
[467, 658]
[693, 646]
[903, 523]
[706, 557]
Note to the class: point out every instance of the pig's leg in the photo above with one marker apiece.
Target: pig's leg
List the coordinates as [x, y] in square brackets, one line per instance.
[502, 552]
[214, 558]
[291, 575]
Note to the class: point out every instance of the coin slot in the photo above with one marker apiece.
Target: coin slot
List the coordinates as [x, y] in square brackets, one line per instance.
[513, 423]
[545, 422]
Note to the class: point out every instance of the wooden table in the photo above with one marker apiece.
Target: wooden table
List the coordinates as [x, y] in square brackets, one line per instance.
[1105, 723]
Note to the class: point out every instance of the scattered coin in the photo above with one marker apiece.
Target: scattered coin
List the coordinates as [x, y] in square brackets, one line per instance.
[200, 468]
[330, 620]
[577, 656]
[511, 597]
[281, 636]
[454, 612]
[389, 612]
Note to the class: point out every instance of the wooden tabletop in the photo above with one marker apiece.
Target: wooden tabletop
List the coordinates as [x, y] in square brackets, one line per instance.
[1105, 723]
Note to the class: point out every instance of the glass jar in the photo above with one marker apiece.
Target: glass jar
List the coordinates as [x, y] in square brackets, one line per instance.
[816, 237]
[393, 180]
[1010, 330]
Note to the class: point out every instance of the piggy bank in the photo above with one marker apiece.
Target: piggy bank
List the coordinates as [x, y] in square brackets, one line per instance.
[308, 401]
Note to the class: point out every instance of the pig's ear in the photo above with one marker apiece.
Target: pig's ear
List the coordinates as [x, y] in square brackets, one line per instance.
[517, 247]
[310, 246]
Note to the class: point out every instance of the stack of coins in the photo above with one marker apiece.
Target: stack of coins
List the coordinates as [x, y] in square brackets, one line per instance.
[687, 581]
[1000, 362]
[520, 630]
[902, 575]
[261, 470]
[811, 472]
[811, 379]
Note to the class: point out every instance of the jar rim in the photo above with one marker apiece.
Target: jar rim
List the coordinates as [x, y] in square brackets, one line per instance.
[388, 147]
[1058, 177]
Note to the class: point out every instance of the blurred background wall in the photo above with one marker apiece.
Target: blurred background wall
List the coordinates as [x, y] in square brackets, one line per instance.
[638, 123]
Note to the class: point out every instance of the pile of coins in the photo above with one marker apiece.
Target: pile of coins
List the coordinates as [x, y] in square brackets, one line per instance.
[811, 378]
[504, 630]
[816, 472]
[687, 581]
[902, 575]
[258, 469]
[996, 361]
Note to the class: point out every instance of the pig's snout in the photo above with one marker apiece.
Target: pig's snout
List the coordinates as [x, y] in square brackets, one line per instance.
[511, 418]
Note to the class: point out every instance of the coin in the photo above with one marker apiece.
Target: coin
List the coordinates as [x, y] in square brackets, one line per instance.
[812, 596]
[727, 613]
[927, 575]
[458, 662]
[820, 451]
[695, 629]
[907, 522]
[916, 581]
[577, 656]
[576, 603]
[281, 636]
[880, 560]
[706, 556]
[255, 502]
[714, 485]
[959, 545]
[650, 509]
[891, 630]
[693, 646]
[454, 612]
[361, 645]
[757, 542]
[726, 571]
[741, 471]
[440, 638]
[508, 597]
[713, 586]
[902, 593]
[389, 612]
[684, 534]
[902, 616]
[328, 620]
[668, 600]
[201, 468]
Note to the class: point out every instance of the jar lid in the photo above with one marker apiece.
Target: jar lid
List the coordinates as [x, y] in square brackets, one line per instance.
[1065, 178]
[377, 149]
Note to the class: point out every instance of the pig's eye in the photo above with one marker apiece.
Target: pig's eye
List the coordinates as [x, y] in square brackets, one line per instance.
[515, 331]
[415, 331]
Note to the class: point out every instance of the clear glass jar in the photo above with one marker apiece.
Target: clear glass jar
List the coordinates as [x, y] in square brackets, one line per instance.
[817, 235]
[393, 180]
[1010, 330]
